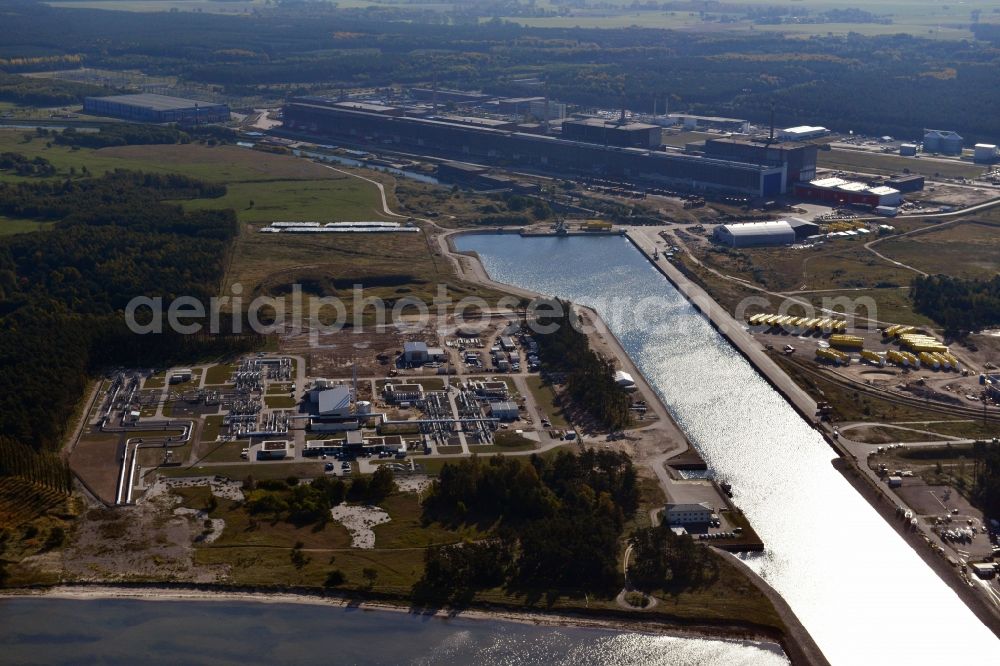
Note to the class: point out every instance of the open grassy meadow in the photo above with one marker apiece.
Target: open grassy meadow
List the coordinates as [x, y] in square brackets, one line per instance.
[834, 265]
[965, 250]
[262, 187]
[10, 226]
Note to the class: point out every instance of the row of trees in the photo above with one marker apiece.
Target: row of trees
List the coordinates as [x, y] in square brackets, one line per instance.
[959, 305]
[590, 378]
[557, 524]
[314, 48]
[129, 134]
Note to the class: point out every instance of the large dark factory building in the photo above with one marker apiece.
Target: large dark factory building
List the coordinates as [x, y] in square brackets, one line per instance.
[453, 139]
[150, 108]
[613, 133]
[799, 158]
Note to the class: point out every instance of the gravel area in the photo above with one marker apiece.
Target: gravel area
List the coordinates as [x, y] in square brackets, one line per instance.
[359, 521]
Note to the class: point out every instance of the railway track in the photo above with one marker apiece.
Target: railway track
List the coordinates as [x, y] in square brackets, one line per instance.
[962, 411]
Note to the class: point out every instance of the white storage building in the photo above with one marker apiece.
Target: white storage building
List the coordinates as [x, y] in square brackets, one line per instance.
[624, 379]
[802, 132]
[986, 153]
[751, 234]
[505, 410]
[687, 514]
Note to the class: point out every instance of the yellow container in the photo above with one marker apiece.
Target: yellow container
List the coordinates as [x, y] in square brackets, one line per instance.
[848, 341]
[833, 355]
[873, 357]
[898, 358]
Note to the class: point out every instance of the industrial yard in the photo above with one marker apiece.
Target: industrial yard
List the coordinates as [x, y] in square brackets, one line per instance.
[268, 415]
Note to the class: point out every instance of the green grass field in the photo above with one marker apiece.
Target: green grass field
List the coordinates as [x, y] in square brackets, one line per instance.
[219, 374]
[545, 398]
[10, 226]
[883, 163]
[891, 304]
[328, 200]
[280, 401]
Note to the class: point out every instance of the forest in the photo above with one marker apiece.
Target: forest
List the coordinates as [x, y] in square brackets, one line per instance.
[664, 559]
[959, 305]
[590, 378]
[297, 48]
[558, 524]
[63, 290]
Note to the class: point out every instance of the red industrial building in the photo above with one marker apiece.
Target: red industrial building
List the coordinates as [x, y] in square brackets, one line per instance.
[844, 192]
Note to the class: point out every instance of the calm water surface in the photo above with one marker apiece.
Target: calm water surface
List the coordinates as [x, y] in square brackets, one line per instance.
[864, 595]
[59, 631]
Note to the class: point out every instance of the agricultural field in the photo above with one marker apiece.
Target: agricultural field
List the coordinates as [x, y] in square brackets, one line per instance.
[965, 249]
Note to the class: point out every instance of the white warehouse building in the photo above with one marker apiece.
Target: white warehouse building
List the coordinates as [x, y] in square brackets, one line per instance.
[687, 514]
[802, 132]
[753, 234]
[985, 153]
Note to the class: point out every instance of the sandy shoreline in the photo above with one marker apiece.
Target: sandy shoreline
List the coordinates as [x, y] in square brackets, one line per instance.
[609, 621]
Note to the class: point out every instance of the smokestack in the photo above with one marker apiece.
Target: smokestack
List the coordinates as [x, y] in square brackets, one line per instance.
[654, 107]
[770, 137]
[545, 127]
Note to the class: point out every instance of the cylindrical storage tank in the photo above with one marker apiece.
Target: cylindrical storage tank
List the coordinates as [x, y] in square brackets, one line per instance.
[364, 407]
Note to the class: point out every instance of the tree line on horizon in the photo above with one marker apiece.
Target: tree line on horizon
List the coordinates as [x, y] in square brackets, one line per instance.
[318, 48]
